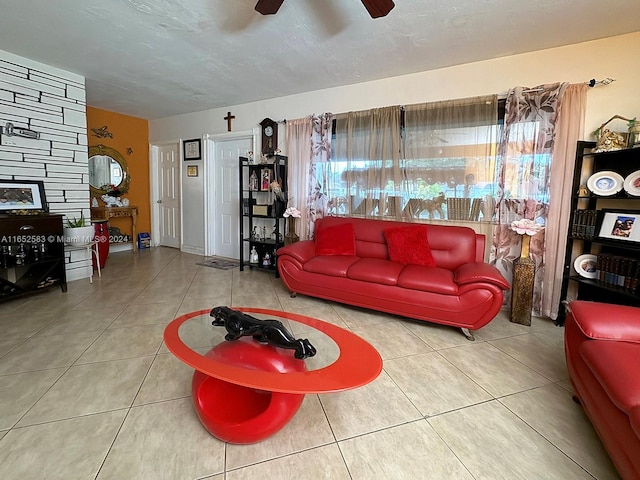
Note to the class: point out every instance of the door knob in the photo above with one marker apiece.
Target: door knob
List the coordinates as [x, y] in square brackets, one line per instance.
[158, 201]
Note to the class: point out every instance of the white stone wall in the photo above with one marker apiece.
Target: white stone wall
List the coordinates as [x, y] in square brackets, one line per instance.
[50, 101]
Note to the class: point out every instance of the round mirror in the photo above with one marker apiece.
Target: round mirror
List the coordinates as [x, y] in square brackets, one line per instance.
[107, 167]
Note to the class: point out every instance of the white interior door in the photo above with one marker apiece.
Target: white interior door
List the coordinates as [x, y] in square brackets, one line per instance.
[226, 224]
[169, 195]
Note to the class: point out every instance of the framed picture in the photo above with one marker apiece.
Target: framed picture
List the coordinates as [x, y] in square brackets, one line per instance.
[192, 171]
[192, 149]
[265, 179]
[617, 225]
[22, 195]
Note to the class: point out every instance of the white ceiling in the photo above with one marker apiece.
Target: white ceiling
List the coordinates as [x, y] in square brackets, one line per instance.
[155, 58]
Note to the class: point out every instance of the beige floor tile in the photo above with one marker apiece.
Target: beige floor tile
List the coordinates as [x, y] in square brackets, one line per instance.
[265, 299]
[40, 353]
[542, 352]
[192, 304]
[551, 411]
[381, 404]
[87, 389]
[437, 336]
[3, 433]
[312, 307]
[18, 326]
[359, 317]
[135, 315]
[20, 391]
[107, 299]
[69, 449]
[433, 384]
[392, 340]
[6, 345]
[322, 463]
[126, 342]
[168, 378]
[493, 443]
[411, 451]
[495, 371]
[309, 428]
[87, 320]
[163, 441]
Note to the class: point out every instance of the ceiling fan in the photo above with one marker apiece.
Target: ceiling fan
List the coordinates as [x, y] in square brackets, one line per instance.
[376, 8]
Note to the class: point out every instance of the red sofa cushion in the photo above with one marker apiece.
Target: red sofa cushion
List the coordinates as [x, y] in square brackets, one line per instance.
[336, 240]
[332, 265]
[615, 365]
[428, 279]
[375, 270]
[409, 245]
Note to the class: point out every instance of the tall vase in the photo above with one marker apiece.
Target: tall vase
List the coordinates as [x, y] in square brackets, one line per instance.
[291, 236]
[526, 242]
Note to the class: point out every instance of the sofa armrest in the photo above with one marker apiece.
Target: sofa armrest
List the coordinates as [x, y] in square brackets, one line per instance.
[479, 272]
[606, 321]
[302, 251]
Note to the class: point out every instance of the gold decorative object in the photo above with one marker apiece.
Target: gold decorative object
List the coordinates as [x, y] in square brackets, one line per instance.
[524, 271]
[608, 140]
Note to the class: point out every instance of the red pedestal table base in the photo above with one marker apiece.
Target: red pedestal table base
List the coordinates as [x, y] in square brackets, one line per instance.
[243, 415]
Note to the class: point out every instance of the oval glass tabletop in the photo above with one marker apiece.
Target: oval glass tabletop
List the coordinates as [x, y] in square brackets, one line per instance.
[342, 360]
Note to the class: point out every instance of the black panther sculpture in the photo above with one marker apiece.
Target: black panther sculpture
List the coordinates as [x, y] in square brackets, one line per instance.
[239, 324]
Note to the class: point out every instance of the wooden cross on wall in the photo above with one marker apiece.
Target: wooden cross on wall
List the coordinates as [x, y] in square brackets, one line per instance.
[228, 118]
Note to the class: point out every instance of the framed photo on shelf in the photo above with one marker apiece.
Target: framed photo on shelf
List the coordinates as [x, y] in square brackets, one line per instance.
[620, 225]
[265, 179]
[192, 149]
[16, 195]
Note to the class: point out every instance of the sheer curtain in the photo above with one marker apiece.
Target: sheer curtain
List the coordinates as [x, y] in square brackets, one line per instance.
[524, 168]
[569, 129]
[365, 165]
[449, 156]
[308, 144]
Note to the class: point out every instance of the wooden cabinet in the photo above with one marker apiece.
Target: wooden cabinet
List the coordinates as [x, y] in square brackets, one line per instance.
[610, 266]
[31, 254]
[262, 223]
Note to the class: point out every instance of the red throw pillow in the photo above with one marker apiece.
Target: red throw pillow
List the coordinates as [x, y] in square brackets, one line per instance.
[336, 240]
[409, 245]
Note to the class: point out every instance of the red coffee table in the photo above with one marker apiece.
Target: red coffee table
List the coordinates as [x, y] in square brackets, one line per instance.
[244, 391]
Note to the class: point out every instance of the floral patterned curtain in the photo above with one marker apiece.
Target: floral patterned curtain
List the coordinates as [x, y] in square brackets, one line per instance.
[308, 143]
[524, 165]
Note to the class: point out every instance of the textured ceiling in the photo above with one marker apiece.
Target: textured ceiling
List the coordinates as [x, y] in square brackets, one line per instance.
[155, 58]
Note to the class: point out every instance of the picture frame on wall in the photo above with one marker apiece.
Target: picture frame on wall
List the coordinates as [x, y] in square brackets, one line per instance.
[192, 149]
[620, 225]
[18, 195]
[192, 171]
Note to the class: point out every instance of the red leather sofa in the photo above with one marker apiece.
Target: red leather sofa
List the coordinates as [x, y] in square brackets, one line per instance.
[460, 290]
[602, 348]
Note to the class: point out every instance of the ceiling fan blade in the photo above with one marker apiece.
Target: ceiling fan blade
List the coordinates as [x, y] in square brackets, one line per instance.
[268, 7]
[378, 8]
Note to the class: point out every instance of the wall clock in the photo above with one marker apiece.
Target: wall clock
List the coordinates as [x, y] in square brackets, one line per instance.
[269, 136]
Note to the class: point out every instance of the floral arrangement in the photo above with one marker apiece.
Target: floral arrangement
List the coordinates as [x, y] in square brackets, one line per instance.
[526, 227]
[292, 212]
[111, 190]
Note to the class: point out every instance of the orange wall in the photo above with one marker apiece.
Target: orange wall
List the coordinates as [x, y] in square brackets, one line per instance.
[128, 132]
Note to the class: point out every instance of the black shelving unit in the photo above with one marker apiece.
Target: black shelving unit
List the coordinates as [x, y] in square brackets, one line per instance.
[262, 223]
[623, 162]
[31, 254]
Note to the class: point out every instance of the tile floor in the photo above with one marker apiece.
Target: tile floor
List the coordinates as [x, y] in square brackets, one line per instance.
[89, 391]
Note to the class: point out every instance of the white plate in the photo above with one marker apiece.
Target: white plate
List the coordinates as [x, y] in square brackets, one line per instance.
[605, 183]
[632, 184]
[585, 265]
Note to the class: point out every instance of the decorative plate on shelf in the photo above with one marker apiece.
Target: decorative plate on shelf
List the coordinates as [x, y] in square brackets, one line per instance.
[585, 265]
[632, 184]
[605, 183]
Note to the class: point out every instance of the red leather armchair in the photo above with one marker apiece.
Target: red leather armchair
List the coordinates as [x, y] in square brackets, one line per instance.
[602, 348]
